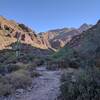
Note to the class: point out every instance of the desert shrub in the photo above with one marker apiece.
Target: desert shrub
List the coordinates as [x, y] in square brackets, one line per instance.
[83, 85]
[2, 59]
[63, 53]
[30, 67]
[12, 67]
[74, 64]
[97, 62]
[8, 68]
[20, 79]
[38, 61]
[64, 63]
[5, 87]
[2, 69]
[34, 74]
[25, 58]
[25, 28]
[52, 65]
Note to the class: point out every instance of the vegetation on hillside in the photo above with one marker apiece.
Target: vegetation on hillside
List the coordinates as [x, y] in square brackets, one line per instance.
[85, 83]
[81, 85]
[17, 72]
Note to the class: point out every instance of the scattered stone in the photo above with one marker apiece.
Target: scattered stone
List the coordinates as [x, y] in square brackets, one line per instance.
[19, 91]
[29, 89]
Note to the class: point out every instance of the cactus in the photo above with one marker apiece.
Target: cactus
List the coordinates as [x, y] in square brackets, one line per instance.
[18, 45]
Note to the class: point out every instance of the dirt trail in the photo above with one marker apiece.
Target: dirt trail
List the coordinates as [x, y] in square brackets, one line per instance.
[46, 87]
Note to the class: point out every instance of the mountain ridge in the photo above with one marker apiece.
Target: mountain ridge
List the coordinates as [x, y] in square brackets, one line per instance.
[83, 49]
[53, 39]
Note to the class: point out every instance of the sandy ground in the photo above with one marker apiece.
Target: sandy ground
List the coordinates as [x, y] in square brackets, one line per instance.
[45, 87]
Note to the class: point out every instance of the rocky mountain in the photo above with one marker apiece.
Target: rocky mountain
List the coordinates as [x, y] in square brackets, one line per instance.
[81, 53]
[63, 38]
[84, 27]
[9, 31]
[53, 39]
[59, 37]
[88, 43]
[83, 49]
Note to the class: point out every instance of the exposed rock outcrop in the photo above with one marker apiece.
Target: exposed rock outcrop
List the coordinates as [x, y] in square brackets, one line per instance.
[54, 39]
[58, 38]
[9, 31]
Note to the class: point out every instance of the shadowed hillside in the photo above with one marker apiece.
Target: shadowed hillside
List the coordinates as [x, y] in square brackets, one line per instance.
[83, 54]
[84, 46]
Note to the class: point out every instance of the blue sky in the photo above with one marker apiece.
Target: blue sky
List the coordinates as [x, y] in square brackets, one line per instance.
[42, 15]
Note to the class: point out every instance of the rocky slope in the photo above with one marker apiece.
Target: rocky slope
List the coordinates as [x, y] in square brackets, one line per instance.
[88, 44]
[9, 30]
[59, 37]
[54, 39]
[82, 49]
[82, 53]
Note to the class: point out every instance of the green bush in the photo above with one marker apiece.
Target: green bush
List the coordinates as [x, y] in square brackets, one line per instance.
[5, 87]
[12, 67]
[34, 74]
[83, 85]
[8, 68]
[63, 53]
[20, 79]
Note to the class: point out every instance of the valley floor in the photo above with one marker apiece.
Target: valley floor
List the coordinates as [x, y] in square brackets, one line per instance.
[45, 87]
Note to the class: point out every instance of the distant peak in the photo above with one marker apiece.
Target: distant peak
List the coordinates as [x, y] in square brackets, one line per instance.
[98, 21]
[84, 25]
[3, 18]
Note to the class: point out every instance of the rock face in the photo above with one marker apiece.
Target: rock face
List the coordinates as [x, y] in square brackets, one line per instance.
[53, 39]
[84, 47]
[59, 37]
[9, 31]
[87, 43]
[84, 27]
